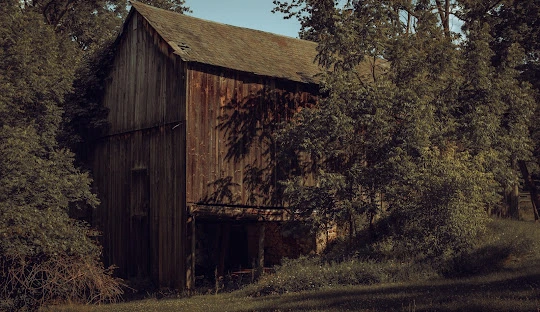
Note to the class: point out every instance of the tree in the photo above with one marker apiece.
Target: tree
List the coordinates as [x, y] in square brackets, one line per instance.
[178, 6]
[38, 181]
[515, 25]
[45, 255]
[411, 116]
[497, 106]
[317, 16]
[90, 23]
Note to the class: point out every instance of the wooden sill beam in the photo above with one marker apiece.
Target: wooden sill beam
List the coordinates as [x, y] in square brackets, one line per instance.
[238, 213]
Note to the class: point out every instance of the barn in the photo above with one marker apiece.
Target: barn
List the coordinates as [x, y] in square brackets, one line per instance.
[187, 174]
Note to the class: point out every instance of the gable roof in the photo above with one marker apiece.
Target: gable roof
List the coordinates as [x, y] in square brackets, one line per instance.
[243, 49]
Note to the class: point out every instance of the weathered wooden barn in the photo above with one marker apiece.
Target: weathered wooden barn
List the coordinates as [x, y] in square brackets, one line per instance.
[188, 169]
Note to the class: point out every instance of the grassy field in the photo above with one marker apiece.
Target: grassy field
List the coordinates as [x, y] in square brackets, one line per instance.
[511, 285]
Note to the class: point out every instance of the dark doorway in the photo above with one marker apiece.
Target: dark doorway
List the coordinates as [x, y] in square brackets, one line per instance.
[221, 247]
[139, 230]
[238, 249]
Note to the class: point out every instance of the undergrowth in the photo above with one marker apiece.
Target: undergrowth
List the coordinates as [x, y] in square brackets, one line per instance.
[500, 273]
[496, 249]
[367, 265]
[28, 284]
[309, 273]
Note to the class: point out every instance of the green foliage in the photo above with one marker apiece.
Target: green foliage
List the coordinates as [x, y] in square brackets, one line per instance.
[178, 6]
[88, 23]
[38, 181]
[503, 246]
[35, 73]
[36, 189]
[512, 285]
[513, 25]
[85, 118]
[45, 256]
[35, 174]
[312, 15]
[415, 127]
[503, 242]
[445, 210]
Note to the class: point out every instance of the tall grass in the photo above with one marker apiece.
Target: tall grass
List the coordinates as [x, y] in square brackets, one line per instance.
[501, 273]
[503, 241]
[311, 273]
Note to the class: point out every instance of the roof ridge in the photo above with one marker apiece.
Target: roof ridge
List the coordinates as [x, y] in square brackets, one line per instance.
[222, 24]
[244, 49]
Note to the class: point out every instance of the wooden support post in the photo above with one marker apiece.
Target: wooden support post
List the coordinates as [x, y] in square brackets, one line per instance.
[529, 182]
[190, 273]
[260, 257]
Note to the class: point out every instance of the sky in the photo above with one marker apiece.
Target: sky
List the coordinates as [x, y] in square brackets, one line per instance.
[255, 14]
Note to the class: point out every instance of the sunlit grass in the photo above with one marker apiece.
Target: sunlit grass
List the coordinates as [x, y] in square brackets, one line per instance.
[512, 286]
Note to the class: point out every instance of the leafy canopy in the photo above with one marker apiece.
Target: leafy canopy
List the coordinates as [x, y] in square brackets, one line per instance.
[415, 127]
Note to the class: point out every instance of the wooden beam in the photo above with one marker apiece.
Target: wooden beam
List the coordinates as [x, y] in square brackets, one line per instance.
[235, 213]
[190, 272]
[260, 257]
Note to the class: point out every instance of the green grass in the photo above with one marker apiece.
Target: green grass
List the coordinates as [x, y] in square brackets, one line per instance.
[512, 284]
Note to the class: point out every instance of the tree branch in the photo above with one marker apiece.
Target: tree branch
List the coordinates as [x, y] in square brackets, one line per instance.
[407, 7]
[44, 12]
[463, 18]
[373, 68]
[444, 15]
[64, 11]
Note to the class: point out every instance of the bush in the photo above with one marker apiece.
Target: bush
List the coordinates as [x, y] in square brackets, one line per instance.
[443, 214]
[503, 244]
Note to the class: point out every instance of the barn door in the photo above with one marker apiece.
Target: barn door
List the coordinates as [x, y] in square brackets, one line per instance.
[139, 238]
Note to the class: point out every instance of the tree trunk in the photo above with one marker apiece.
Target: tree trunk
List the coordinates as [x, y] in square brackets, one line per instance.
[514, 202]
[513, 195]
[444, 15]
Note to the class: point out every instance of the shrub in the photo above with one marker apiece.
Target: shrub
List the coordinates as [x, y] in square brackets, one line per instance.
[443, 214]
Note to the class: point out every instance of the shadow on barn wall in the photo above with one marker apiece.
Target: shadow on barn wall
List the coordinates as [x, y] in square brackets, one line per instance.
[231, 242]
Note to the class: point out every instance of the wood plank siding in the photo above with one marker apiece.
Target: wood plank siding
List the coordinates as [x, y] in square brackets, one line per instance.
[193, 106]
[139, 167]
[230, 119]
[146, 87]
